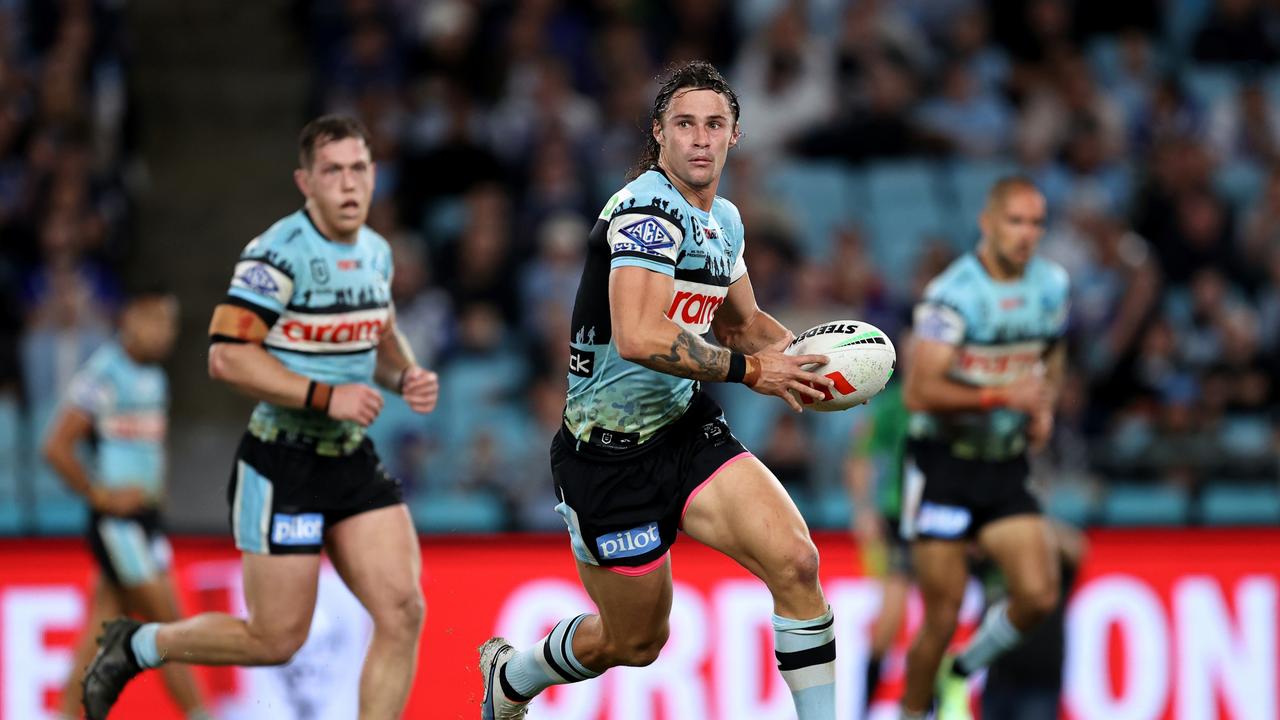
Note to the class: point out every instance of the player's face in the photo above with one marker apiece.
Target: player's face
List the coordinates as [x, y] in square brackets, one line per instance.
[695, 134]
[1014, 226]
[150, 326]
[339, 184]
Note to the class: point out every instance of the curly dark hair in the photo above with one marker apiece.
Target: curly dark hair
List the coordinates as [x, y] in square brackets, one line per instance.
[692, 75]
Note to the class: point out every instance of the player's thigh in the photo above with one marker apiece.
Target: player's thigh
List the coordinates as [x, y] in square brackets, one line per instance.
[378, 556]
[632, 608]
[1022, 546]
[941, 572]
[745, 513]
[280, 593]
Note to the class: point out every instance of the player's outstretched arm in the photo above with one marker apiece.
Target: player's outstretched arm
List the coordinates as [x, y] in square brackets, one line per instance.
[643, 334]
[237, 357]
[398, 371]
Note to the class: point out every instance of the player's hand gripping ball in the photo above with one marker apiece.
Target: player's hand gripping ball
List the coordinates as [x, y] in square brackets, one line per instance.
[861, 361]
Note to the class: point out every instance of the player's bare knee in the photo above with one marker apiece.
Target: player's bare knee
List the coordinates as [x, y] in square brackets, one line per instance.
[278, 648]
[1036, 603]
[640, 649]
[403, 615]
[798, 567]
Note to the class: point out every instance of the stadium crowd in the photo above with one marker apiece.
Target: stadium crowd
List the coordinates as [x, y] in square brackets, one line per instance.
[872, 130]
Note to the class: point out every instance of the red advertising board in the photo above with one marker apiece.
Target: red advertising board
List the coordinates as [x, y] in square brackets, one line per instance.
[1180, 625]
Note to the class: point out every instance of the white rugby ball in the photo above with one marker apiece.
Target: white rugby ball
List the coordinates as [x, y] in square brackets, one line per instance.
[861, 361]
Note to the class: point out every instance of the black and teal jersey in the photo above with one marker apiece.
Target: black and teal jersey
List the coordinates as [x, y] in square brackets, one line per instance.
[327, 304]
[647, 224]
[1002, 330]
[129, 404]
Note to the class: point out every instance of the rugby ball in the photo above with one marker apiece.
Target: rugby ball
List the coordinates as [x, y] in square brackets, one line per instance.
[861, 361]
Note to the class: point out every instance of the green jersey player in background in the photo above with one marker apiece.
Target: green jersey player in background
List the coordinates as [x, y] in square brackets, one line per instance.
[306, 327]
[643, 451]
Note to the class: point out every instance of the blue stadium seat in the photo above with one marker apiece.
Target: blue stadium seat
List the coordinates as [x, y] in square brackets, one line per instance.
[1245, 436]
[1070, 502]
[1239, 182]
[457, 512]
[11, 451]
[821, 197]
[1144, 504]
[831, 509]
[968, 183]
[1211, 84]
[1229, 503]
[905, 208]
[1182, 18]
[66, 515]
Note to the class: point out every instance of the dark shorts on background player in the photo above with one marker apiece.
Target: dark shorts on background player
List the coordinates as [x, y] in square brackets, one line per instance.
[284, 497]
[949, 498]
[130, 550]
[624, 507]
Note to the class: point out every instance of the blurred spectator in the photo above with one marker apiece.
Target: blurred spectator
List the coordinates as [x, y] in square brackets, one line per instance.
[785, 83]
[975, 122]
[549, 284]
[1245, 128]
[1237, 31]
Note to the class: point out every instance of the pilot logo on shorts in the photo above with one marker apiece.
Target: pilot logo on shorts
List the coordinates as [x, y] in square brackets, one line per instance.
[305, 529]
[628, 543]
[946, 521]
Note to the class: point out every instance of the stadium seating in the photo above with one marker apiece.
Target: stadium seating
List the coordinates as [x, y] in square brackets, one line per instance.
[446, 512]
[1070, 502]
[967, 185]
[1144, 504]
[822, 196]
[11, 443]
[1225, 502]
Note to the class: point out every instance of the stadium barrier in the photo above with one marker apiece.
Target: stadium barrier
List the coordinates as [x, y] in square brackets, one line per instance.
[1176, 624]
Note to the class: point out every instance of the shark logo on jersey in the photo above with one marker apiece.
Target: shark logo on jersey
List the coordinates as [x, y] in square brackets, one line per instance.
[319, 271]
[648, 234]
[257, 279]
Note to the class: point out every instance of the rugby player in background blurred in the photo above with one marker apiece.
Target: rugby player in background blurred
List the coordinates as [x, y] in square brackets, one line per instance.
[119, 402]
[643, 451]
[305, 328]
[986, 368]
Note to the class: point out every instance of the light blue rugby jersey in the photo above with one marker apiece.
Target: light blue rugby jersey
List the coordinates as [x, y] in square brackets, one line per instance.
[1002, 331]
[647, 224]
[327, 304]
[129, 405]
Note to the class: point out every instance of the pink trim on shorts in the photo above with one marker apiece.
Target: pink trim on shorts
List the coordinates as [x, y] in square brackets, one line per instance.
[712, 476]
[644, 569]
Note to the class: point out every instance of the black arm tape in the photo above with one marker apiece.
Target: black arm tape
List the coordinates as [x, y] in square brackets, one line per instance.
[268, 317]
[220, 338]
[737, 367]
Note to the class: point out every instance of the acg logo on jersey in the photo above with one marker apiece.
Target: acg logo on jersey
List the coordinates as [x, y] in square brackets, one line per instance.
[628, 543]
[648, 234]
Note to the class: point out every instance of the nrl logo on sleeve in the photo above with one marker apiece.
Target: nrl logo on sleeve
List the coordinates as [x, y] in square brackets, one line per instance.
[259, 280]
[648, 234]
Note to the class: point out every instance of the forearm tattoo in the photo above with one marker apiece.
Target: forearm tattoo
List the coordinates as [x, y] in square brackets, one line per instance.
[691, 357]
